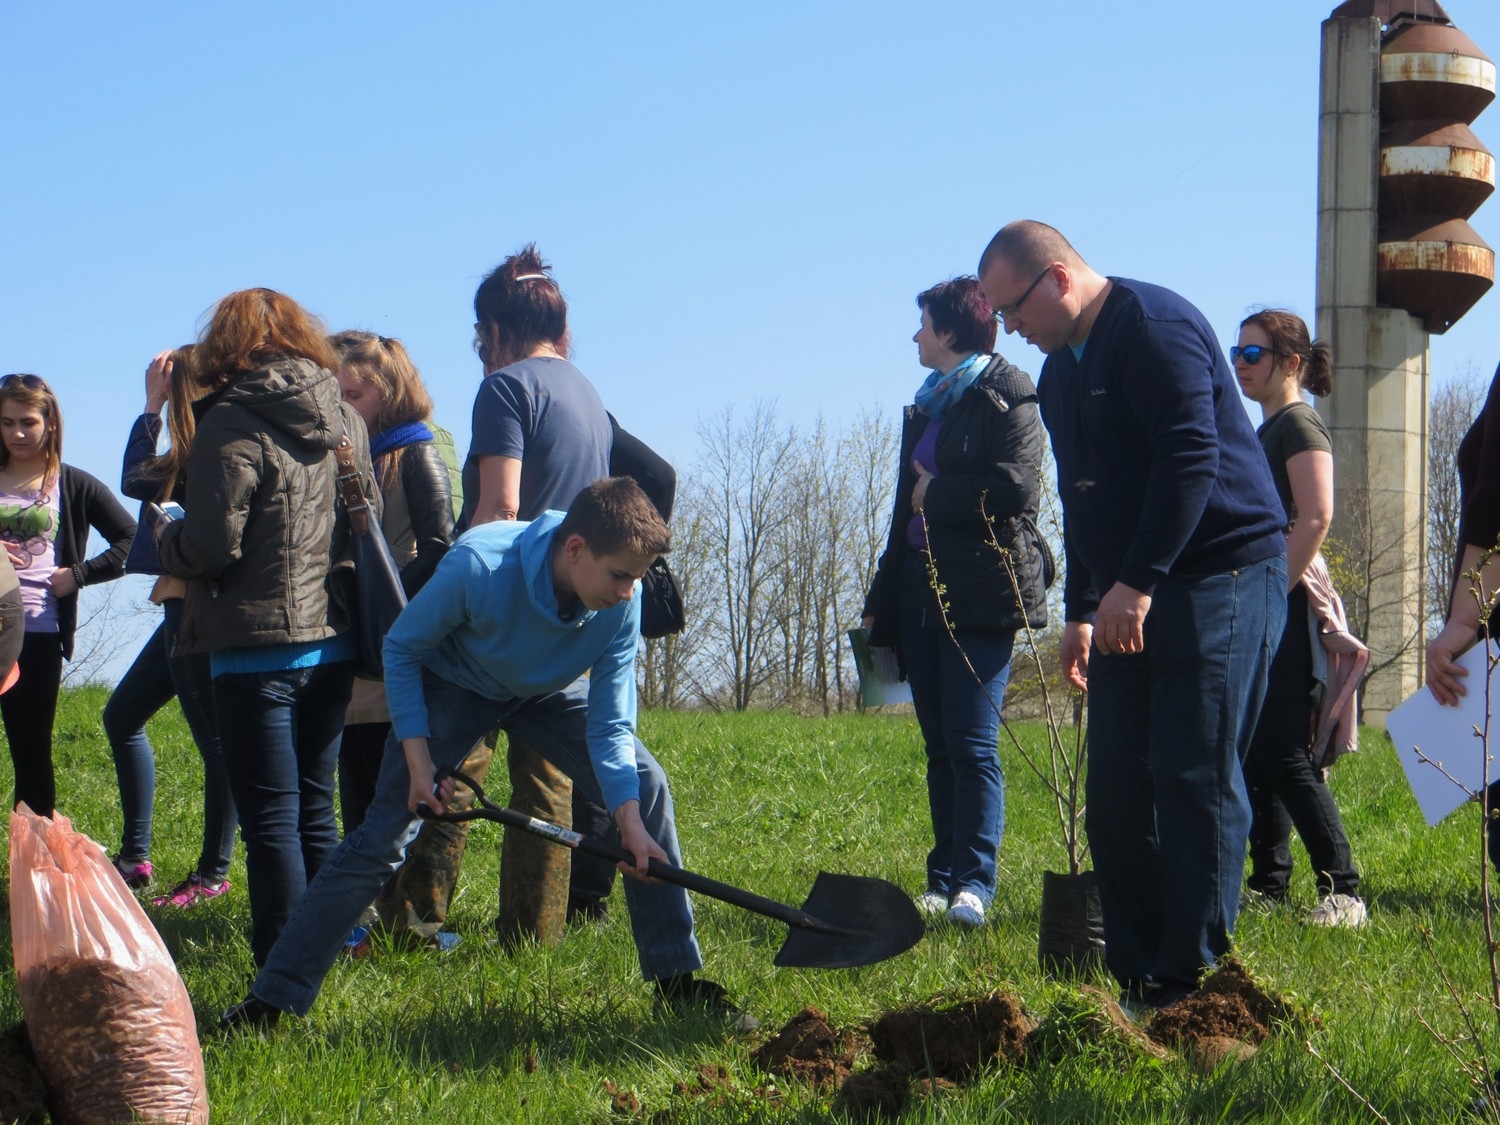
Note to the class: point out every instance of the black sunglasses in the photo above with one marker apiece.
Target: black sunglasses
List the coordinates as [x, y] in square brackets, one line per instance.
[1009, 311]
[29, 381]
[1252, 354]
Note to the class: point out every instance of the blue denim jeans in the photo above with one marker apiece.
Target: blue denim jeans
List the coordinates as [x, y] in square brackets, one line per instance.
[555, 726]
[280, 732]
[959, 716]
[147, 686]
[1169, 727]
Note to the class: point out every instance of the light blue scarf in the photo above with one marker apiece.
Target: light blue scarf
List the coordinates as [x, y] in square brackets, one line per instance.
[941, 391]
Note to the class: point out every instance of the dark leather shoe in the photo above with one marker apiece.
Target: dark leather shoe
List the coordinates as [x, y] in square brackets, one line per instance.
[250, 1014]
[687, 993]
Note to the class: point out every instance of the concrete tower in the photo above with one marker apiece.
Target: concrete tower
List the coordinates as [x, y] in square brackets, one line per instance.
[1399, 173]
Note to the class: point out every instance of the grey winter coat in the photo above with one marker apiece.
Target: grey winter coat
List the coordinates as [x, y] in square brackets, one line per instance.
[265, 534]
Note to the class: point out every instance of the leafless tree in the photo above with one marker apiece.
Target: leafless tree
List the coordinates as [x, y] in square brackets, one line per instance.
[1455, 405]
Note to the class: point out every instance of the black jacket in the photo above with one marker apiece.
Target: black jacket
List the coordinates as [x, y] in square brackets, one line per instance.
[86, 504]
[989, 464]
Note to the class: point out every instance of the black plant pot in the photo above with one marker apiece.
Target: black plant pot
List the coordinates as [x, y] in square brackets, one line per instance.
[1070, 942]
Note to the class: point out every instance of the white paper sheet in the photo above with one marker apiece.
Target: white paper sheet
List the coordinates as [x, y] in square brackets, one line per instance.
[1446, 735]
[880, 682]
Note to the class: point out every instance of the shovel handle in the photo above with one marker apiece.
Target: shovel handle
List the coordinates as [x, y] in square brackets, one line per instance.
[485, 809]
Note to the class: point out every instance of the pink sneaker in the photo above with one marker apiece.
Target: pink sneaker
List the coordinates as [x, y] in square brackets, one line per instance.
[136, 875]
[191, 891]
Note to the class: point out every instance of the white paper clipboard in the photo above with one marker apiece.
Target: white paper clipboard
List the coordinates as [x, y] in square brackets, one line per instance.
[1446, 735]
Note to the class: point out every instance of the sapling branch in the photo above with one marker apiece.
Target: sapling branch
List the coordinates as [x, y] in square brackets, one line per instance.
[1062, 771]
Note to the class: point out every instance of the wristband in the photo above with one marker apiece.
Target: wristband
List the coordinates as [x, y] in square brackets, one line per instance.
[77, 575]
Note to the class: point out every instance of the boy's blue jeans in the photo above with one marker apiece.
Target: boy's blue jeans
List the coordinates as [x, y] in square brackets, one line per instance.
[554, 725]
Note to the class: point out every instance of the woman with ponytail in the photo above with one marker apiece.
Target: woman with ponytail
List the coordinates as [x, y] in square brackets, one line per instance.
[159, 671]
[1275, 361]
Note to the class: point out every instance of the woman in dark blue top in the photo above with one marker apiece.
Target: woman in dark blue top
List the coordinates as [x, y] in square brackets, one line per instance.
[157, 675]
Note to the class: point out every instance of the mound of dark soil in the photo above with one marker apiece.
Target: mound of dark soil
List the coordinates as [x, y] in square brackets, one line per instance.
[23, 1096]
[873, 1094]
[954, 1041]
[809, 1050]
[1267, 1008]
[1206, 1015]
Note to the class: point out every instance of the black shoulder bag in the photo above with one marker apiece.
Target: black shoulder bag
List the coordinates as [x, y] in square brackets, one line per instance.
[378, 596]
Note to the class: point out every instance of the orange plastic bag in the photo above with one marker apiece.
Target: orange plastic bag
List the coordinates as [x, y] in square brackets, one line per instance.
[109, 1018]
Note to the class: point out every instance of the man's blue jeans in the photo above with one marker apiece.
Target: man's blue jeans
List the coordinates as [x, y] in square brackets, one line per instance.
[1169, 727]
[555, 726]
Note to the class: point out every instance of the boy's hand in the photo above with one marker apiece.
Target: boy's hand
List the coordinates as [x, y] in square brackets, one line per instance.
[419, 766]
[637, 841]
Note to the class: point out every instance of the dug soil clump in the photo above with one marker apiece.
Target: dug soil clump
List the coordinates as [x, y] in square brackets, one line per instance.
[953, 1042]
[1226, 1020]
[23, 1097]
[809, 1050]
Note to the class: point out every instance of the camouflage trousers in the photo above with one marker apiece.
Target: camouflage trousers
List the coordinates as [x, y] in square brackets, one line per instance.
[533, 872]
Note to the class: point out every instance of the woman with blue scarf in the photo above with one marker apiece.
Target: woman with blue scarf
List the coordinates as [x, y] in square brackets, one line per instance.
[968, 489]
[380, 381]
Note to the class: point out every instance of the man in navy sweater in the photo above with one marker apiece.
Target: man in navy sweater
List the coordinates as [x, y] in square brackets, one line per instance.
[1175, 595]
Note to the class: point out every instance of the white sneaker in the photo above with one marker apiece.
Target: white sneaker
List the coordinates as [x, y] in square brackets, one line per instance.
[1339, 910]
[931, 904]
[967, 911]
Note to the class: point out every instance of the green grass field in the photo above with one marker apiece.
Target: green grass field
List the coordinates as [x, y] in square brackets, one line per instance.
[766, 801]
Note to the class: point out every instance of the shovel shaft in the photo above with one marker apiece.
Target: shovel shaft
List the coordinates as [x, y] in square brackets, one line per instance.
[680, 876]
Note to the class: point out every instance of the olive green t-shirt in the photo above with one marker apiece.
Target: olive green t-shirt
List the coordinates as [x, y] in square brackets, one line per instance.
[1295, 428]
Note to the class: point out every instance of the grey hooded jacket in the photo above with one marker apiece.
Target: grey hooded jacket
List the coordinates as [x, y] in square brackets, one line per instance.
[265, 535]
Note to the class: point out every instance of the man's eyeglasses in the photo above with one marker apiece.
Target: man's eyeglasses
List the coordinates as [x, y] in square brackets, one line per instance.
[30, 382]
[1252, 354]
[1008, 311]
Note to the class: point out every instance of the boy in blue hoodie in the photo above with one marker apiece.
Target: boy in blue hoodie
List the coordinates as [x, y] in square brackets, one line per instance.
[501, 636]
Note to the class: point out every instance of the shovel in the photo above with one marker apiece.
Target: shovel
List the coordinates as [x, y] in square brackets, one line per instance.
[847, 920]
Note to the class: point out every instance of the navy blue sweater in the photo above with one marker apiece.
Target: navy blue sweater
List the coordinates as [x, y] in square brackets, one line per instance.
[1158, 467]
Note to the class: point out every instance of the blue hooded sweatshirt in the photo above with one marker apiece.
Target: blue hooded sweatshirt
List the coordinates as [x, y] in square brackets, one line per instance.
[487, 621]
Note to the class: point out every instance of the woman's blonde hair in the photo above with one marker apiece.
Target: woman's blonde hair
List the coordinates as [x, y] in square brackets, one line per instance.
[383, 363]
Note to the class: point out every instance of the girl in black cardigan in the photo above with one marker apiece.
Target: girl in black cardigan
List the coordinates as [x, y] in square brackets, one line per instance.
[46, 511]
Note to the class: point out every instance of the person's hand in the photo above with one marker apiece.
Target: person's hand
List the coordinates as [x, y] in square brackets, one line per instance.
[1119, 621]
[62, 582]
[18, 560]
[919, 490]
[158, 382]
[420, 790]
[867, 622]
[1445, 679]
[1073, 653]
[637, 841]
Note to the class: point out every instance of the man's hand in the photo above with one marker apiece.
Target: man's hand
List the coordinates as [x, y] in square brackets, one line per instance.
[1073, 652]
[419, 766]
[1445, 679]
[637, 841]
[1120, 619]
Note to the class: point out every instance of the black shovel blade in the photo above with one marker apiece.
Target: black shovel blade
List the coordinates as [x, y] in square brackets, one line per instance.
[875, 921]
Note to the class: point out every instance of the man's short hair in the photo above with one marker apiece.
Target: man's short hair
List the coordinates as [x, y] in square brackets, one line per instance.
[1028, 247]
[614, 515]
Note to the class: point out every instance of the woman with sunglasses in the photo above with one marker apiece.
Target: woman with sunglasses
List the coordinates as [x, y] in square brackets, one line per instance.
[160, 672]
[47, 509]
[261, 542]
[1275, 362]
[969, 480]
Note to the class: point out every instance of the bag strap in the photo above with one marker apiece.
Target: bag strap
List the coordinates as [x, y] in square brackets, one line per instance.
[350, 488]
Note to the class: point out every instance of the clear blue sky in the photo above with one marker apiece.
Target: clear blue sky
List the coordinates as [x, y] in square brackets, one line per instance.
[740, 202]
